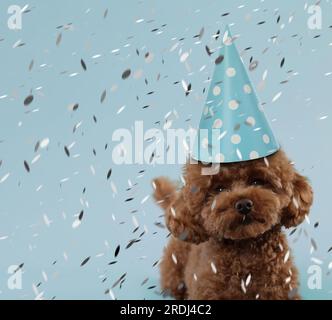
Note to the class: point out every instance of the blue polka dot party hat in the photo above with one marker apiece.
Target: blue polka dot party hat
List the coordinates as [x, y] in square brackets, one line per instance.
[233, 126]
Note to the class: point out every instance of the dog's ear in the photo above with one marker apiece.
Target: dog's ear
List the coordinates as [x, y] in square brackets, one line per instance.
[300, 203]
[181, 215]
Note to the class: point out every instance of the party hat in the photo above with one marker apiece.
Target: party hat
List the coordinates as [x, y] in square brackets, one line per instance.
[233, 125]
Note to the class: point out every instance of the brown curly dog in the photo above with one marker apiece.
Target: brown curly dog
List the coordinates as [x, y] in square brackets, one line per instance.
[227, 241]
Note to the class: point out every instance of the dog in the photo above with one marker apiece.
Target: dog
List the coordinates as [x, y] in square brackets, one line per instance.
[226, 230]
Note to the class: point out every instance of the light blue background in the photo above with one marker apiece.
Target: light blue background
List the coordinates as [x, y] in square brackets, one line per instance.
[295, 119]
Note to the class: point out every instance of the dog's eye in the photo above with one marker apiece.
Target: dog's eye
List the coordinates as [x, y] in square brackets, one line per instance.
[258, 182]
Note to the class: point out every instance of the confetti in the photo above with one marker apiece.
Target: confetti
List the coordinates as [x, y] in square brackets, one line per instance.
[184, 56]
[243, 287]
[76, 223]
[175, 260]
[66, 151]
[126, 74]
[282, 62]
[83, 65]
[26, 166]
[103, 96]
[213, 267]
[253, 65]
[208, 51]
[28, 100]
[104, 16]
[248, 280]
[31, 65]
[5, 177]
[117, 250]
[58, 39]
[85, 261]
[109, 173]
[219, 59]
[286, 257]
[44, 143]
[277, 96]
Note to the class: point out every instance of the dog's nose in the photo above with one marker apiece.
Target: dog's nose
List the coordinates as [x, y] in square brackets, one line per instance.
[244, 206]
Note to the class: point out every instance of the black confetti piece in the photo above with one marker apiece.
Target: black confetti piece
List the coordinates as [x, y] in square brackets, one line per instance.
[126, 74]
[26, 166]
[28, 100]
[219, 59]
[83, 65]
[31, 65]
[188, 89]
[67, 151]
[117, 250]
[282, 62]
[58, 39]
[103, 96]
[119, 280]
[85, 261]
[109, 173]
[37, 146]
[208, 51]
[105, 13]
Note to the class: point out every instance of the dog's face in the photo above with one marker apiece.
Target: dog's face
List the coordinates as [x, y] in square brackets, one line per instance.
[246, 199]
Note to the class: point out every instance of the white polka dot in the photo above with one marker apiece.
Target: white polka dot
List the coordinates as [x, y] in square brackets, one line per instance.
[247, 88]
[236, 139]
[206, 111]
[219, 157]
[205, 143]
[266, 138]
[216, 91]
[251, 121]
[233, 104]
[253, 154]
[217, 124]
[230, 72]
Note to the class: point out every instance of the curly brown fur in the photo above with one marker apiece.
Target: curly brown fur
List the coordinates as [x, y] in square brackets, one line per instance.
[218, 252]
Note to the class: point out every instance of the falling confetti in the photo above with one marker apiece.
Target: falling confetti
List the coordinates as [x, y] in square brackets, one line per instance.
[58, 39]
[126, 74]
[83, 65]
[26, 166]
[103, 96]
[277, 96]
[117, 250]
[85, 261]
[67, 151]
[282, 62]
[28, 100]
[219, 59]
[109, 173]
